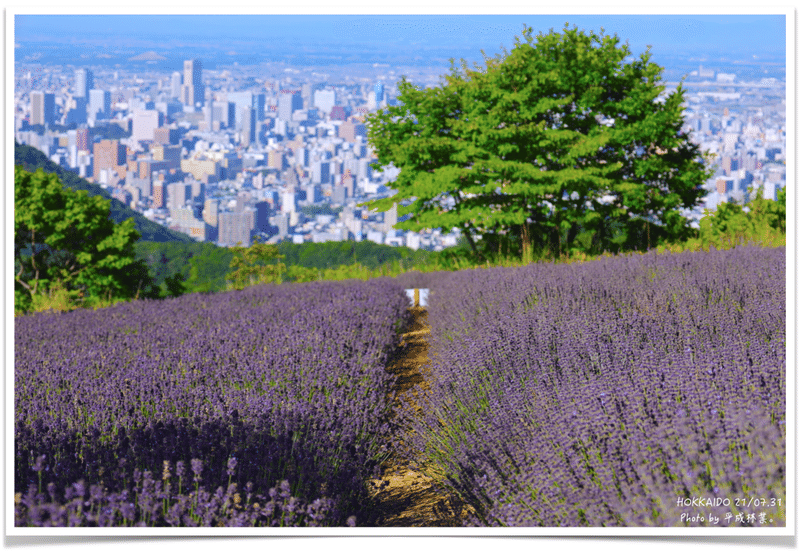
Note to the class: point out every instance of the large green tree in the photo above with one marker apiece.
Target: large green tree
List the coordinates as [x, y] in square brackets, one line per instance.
[566, 142]
[65, 240]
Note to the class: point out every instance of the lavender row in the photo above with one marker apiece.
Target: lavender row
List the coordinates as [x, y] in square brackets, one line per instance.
[612, 393]
[286, 381]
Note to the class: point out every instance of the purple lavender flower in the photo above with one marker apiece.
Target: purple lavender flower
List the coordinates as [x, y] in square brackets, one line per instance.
[231, 466]
[197, 468]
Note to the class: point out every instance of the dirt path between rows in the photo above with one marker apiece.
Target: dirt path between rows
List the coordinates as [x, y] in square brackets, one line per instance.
[404, 497]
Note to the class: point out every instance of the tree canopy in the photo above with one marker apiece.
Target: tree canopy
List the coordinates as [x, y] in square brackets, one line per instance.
[566, 142]
[65, 240]
[255, 265]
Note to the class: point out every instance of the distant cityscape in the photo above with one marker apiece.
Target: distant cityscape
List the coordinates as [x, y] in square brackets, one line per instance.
[231, 154]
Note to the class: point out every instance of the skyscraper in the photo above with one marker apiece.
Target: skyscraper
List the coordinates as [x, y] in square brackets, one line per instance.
[288, 102]
[108, 154]
[236, 228]
[225, 113]
[43, 108]
[145, 122]
[260, 104]
[82, 139]
[325, 100]
[192, 91]
[241, 101]
[378, 92]
[99, 104]
[177, 194]
[84, 81]
[248, 126]
[176, 85]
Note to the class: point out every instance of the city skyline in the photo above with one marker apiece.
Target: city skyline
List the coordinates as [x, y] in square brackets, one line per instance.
[272, 131]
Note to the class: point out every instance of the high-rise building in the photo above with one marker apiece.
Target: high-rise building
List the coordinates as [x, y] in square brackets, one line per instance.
[241, 101]
[109, 155]
[276, 160]
[260, 105]
[165, 135]
[158, 194]
[82, 139]
[99, 104]
[248, 126]
[325, 100]
[288, 102]
[390, 218]
[338, 113]
[288, 202]
[320, 172]
[84, 81]
[225, 113]
[177, 194]
[145, 122]
[378, 92]
[262, 209]
[43, 108]
[236, 228]
[282, 222]
[211, 211]
[76, 110]
[176, 82]
[193, 91]
[349, 130]
[244, 100]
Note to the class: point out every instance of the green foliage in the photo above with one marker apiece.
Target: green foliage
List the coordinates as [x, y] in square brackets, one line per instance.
[65, 244]
[201, 267]
[761, 221]
[302, 274]
[333, 254]
[205, 266]
[208, 269]
[31, 159]
[255, 265]
[759, 218]
[174, 285]
[560, 145]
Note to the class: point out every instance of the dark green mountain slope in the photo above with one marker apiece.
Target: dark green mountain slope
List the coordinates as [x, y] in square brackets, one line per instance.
[31, 159]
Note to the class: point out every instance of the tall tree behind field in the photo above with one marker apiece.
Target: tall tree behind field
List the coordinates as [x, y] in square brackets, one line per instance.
[566, 142]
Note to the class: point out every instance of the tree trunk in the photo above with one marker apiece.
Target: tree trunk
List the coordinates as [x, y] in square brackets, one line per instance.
[526, 244]
[571, 235]
[471, 241]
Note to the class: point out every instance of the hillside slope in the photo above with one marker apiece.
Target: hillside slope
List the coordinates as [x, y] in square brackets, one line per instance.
[31, 159]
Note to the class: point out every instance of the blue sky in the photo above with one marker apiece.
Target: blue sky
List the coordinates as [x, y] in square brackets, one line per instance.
[736, 34]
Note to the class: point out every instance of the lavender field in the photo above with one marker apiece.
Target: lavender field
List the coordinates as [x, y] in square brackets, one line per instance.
[618, 392]
[646, 390]
[264, 407]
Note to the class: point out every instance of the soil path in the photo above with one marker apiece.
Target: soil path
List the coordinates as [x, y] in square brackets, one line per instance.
[404, 497]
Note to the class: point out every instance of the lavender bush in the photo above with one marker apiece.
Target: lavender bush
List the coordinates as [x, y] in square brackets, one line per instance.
[266, 406]
[630, 391]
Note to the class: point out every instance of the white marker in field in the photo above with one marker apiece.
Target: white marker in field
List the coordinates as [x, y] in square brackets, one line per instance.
[418, 297]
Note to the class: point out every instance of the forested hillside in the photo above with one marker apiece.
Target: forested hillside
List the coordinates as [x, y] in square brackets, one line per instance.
[31, 159]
